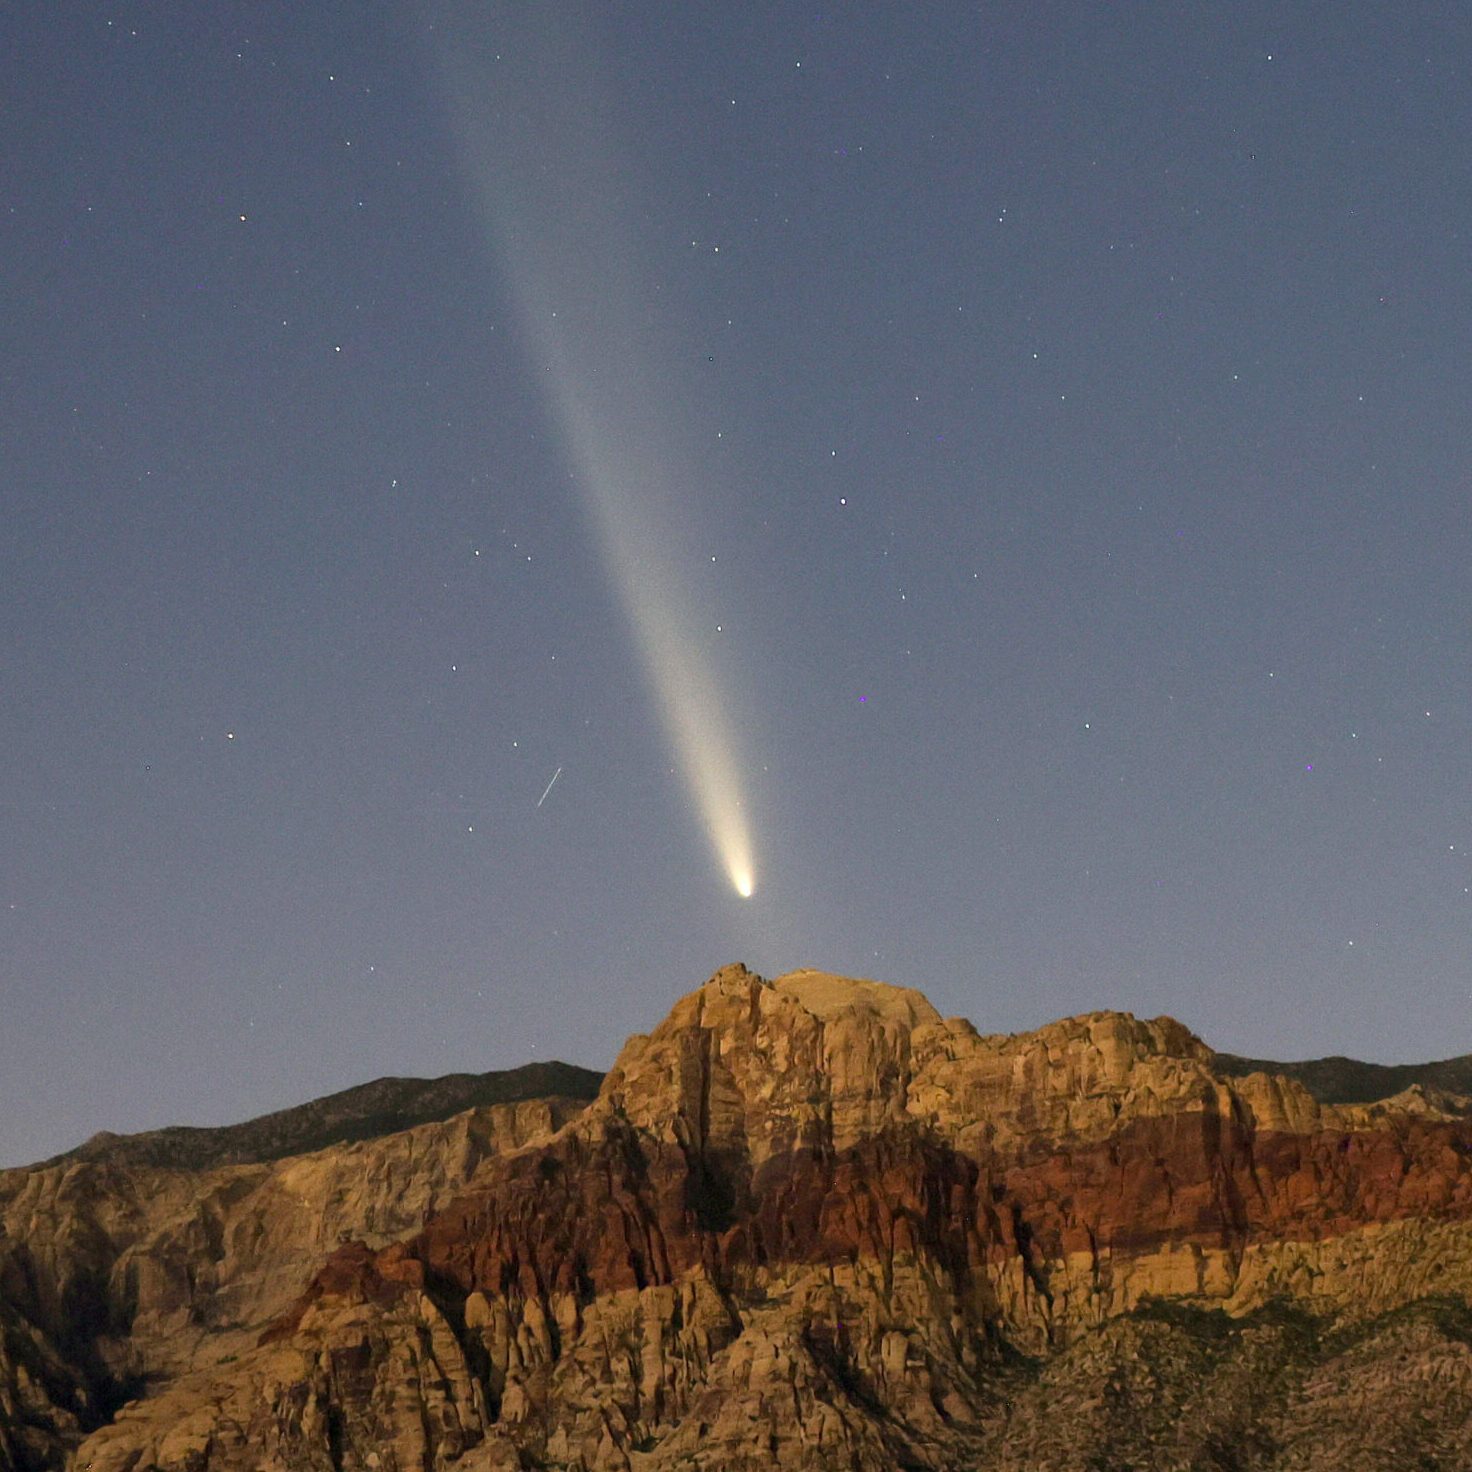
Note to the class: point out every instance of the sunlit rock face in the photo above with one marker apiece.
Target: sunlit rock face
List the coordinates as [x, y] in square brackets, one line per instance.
[810, 1223]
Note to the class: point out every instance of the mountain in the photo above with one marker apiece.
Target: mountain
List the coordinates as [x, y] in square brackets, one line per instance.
[362, 1113]
[806, 1223]
[133, 1259]
[1348, 1081]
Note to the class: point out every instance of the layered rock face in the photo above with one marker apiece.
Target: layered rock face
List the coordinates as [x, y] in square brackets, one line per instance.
[116, 1276]
[812, 1224]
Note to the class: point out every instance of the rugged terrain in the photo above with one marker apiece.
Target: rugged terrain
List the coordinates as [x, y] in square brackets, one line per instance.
[806, 1223]
[133, 1259]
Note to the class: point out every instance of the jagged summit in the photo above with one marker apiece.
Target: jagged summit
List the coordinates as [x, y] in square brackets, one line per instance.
[828, 995]
[821, 1061]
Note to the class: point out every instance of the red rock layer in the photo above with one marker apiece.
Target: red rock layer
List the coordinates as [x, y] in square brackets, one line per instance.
[587, 1217]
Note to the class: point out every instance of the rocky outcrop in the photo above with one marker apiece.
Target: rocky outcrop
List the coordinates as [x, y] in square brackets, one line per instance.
[116, 1276]
[812, 1224]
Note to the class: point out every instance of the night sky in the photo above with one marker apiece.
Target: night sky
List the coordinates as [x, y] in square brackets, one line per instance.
[999, 472]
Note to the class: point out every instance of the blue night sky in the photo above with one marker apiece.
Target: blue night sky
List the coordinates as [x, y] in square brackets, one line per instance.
[1009, 461]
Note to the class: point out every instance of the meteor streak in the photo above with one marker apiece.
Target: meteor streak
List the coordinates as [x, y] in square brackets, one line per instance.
[543, 797]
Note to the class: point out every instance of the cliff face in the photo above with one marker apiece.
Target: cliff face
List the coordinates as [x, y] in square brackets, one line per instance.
[117, 1276]
[812, 1224]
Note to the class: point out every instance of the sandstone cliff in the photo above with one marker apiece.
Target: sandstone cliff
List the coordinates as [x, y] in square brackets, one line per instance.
[812, 1224]
[117, 1274]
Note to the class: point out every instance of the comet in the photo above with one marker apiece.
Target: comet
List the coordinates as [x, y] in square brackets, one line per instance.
[568, 220]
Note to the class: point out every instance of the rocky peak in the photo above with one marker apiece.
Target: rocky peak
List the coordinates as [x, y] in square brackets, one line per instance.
[821, 1061]
[764, 1067]
[828, 996]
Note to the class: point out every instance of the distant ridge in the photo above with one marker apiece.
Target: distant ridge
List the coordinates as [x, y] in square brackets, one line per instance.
[1339, 1080]
[364, 1112]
